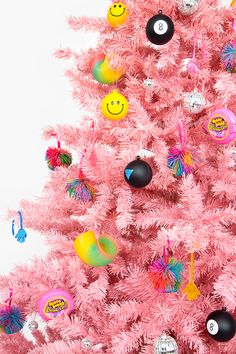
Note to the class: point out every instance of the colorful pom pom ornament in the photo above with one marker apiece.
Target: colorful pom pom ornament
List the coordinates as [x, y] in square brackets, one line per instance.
[12, 320]
[165, 273]
[180, 158]
[57, 157]
[11, 317]
[228, 57]
[80, 189]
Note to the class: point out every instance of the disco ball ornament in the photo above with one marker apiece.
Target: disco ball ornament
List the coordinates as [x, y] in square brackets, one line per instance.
[138, 173]
[194, 102]
[86, 344]
[160, 29]
[220, 325]
[187, 7]
[33, 325]
[148, 83]
[165, 345]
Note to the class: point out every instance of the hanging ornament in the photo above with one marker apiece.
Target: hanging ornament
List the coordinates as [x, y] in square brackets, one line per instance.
[160, 29]
[96, 250]
[21, 233]
[221, 325]
[194, 102]
[11, 317]
[86, 344]
[138, 173]
[221, 126]
[34, 323]
[55, 303]
[57, 157]
[192, 66]
[187, 7]
[148, 83]
[228, 55]
[191, 289]
[165, 273]
[117, 14]
[115, 106]
[103, 72]
[180, 158]
[80, 188]
[165, 345]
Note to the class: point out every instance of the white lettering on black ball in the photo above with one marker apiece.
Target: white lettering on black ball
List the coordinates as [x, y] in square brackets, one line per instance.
[161, 27]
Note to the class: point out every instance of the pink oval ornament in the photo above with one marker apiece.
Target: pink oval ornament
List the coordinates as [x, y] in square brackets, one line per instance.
[55, 303]
[222, 126]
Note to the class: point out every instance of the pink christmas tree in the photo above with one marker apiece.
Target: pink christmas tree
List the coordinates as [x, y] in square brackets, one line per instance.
[175, 236]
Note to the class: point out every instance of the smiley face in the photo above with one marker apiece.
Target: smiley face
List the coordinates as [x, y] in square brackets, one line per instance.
[115, 106]
[117, 14]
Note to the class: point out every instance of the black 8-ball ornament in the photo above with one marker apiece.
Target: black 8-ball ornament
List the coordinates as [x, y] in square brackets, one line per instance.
[221, 325]
[138, 173]
[160, 29]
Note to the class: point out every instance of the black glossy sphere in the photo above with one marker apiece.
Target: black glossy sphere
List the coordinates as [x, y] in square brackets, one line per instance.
[221, 325]
[160, 29]
[138, 173]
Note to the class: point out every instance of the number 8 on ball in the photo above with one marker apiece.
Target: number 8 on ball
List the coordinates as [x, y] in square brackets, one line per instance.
[160, 29]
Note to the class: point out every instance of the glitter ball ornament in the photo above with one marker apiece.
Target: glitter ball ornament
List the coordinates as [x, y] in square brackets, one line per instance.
[194, 102]
[86, 344]
[165, 345]
[148, 83]
[221, 325]
[138, 173]
[33, 325]
[187, 7]
[160, 29]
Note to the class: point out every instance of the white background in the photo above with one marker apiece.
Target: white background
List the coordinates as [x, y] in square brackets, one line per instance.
[33, 94]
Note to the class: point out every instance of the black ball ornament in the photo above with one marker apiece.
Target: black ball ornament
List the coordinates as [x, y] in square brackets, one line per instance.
[160, 29]
[138, 173]
[221, 325]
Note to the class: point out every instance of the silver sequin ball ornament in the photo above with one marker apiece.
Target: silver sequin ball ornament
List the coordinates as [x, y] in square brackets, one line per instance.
[194, 102]
[86, 344]
[187, 7]
[33, 325]
[165, 345]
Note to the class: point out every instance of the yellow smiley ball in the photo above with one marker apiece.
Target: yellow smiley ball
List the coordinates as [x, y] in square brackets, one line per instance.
[117, 14]
[115, 106]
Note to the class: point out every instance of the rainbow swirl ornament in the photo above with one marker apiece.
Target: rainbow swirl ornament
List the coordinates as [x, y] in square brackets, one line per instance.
[102, 71]
[95, 251]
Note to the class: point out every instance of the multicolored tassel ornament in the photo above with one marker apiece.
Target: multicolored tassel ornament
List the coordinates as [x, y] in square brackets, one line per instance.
[57, 157]
[11, 317]
[80, 188]
[180, 158]
[228, 57]
[166, 273]
[191, 289]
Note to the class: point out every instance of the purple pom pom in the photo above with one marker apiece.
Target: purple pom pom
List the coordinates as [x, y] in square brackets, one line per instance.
[12, 320]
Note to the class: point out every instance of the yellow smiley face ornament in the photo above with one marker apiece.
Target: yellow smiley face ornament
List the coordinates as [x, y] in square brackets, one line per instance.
[115, 106]
[117, 14]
